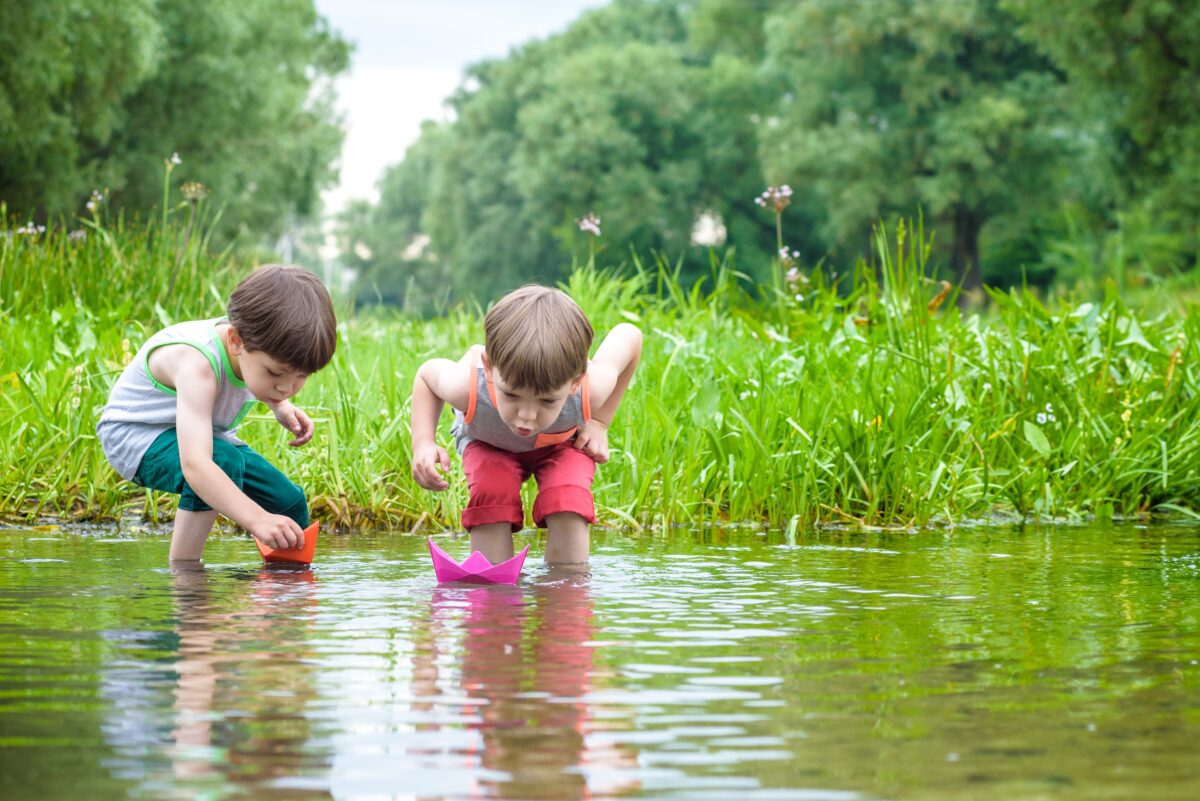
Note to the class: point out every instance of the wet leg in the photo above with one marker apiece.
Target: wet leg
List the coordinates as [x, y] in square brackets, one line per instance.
[493, 540]
[567, 539]
[191, 531]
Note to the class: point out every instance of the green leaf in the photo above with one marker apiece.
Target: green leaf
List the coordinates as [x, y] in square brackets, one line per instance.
[1134, 336]
[707, 407]
[1035, 437]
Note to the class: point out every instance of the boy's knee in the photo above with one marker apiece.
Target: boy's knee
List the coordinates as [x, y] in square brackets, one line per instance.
[294, 504]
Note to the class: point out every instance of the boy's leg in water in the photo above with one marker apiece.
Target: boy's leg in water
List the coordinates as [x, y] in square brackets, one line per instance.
[567, 539]
[564, 503]
[195, 518]
[161, 470]
[494, 478]
[191, 531]
[494, 541]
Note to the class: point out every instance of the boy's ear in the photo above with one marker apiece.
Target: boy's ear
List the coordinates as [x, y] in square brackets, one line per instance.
[575, 384]
[235, 340]
[483, 356]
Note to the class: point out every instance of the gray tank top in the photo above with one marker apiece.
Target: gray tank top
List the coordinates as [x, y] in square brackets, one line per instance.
[482, 421]
[140, 408]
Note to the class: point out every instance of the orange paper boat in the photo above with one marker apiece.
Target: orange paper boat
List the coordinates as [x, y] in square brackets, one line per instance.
[302, 555]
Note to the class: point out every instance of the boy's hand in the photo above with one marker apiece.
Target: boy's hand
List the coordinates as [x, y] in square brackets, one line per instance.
[277, 531]
[428, 464]
[294, 421]
[592, 439]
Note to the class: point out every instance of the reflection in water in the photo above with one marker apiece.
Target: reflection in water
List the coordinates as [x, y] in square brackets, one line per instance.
[1029, 663]
[241, 683]
[527, 664]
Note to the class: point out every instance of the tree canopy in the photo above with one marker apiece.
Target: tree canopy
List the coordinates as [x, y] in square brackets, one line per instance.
[1034, 137]
[999, 120]
[95, 94]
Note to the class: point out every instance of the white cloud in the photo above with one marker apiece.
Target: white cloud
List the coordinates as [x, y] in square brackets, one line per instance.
[384, 108]
[409, 57]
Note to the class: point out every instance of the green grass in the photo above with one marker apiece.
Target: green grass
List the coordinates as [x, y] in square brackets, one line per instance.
[852, 403]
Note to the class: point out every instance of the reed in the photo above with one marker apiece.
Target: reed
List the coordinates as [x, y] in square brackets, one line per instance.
[869, 399]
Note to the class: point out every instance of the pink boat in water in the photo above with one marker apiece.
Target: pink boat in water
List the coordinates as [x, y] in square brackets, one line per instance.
[475, 569]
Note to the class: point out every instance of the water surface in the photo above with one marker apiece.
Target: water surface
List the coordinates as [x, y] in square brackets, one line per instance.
[1057, 662]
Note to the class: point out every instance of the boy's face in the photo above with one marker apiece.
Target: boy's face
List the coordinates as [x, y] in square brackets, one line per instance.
[527, 412]
[271, 380]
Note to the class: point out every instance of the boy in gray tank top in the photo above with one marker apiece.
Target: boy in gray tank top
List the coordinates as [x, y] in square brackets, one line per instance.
[528, 402]
[171, 419]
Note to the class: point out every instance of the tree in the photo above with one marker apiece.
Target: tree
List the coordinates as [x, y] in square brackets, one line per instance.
[66, 70]
[899, 104]
[622, 114]
[98, 94]
[1134, 69]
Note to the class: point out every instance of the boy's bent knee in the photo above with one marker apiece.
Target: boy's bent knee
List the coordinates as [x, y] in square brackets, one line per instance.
[296, 506]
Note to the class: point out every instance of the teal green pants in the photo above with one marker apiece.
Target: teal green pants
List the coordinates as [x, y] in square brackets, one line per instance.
[259, 479]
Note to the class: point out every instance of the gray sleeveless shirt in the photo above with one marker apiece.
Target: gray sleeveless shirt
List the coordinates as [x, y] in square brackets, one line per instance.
[140, 408]
[482, 421]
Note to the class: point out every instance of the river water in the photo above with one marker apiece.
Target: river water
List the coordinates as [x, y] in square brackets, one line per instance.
[1000, 663]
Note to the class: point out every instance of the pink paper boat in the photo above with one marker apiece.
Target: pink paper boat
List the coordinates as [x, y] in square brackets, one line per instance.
[475, 569]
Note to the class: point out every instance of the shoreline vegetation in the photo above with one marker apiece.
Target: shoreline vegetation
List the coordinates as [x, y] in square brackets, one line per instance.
[869, 398]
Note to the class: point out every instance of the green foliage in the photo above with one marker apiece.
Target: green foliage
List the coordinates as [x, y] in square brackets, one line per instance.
[896, 105]
[1134, 66]
[95, 95]
[66, 69]
[1016, 128]
[620, 115]
[872, 400]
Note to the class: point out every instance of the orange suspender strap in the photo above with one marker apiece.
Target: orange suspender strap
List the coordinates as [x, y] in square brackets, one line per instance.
[587, 400]
[472, 391]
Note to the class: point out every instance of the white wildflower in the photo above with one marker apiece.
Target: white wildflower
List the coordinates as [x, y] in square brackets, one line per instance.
[589, 224]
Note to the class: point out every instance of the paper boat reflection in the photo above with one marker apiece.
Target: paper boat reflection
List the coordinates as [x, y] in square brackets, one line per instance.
[475, 569]
[302, 555]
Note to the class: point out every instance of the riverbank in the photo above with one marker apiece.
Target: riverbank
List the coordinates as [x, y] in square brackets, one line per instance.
[875, 402]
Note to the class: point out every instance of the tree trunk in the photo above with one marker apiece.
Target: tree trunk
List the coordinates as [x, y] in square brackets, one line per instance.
[964, 254]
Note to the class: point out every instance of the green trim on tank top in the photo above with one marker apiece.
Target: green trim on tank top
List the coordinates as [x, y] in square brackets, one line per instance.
[241, 415]
[161, 387]
[232, 376]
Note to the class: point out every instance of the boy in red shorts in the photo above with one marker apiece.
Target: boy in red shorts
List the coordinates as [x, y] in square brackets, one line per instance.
[528, 402]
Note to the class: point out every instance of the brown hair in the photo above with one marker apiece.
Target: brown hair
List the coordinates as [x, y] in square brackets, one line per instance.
[537, 338]
[285, 312]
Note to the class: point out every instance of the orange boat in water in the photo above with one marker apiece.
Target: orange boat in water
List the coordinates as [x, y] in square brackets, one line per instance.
[296, 556]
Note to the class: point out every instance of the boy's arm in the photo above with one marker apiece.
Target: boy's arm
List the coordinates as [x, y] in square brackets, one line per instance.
[609, 375]
[438, 382]
[196, 392]
[612, 369]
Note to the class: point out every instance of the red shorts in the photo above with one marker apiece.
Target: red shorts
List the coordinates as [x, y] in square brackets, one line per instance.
[494, 476]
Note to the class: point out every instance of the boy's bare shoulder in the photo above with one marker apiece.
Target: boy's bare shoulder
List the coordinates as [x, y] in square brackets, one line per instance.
[451, 380]
[181, 367]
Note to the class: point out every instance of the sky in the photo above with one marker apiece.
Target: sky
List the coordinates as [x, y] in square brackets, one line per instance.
[409, 57]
